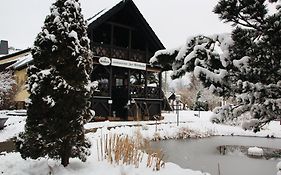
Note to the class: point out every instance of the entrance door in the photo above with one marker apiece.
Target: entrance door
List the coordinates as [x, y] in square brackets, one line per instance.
[120, 94]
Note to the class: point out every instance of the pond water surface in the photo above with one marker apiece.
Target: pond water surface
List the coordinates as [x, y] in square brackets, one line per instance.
[202, 155]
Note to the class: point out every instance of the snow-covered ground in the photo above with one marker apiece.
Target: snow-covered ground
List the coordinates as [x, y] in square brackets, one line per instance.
[14, 124]
[190, 124]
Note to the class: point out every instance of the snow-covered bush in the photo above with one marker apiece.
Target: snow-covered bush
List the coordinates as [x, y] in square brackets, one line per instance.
[244, 65]
[255, 151]
[222, 114]
[227, 114]
[250, 124]
[189, 92]
[60, 87]
[7, 89]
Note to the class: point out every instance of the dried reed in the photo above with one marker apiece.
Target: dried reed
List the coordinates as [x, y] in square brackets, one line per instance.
[120, 149]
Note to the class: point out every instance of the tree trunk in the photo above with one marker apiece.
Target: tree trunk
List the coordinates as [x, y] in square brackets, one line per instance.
[65, 154]
[65, 160]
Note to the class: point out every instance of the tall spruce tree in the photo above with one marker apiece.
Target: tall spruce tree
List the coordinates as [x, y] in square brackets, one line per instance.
[249, 67]
[60, 88]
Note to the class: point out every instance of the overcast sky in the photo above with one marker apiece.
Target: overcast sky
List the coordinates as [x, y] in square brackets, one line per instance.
[172, 20]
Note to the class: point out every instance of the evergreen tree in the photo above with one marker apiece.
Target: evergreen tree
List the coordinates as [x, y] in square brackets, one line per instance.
[249, 68]
[199, 103]
[59, 87]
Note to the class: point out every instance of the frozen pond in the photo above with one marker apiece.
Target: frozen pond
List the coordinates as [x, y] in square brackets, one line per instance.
[202, 154]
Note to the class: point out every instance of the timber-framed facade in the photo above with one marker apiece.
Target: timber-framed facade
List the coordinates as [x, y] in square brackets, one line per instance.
[129, 88]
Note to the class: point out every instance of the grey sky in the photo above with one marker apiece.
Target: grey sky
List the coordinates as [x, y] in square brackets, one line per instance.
[172, 20]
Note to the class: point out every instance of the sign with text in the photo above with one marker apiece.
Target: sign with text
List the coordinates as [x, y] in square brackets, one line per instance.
[128, 64]
[104, 61]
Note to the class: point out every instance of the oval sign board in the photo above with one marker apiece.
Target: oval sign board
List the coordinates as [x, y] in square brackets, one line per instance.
[104, 61]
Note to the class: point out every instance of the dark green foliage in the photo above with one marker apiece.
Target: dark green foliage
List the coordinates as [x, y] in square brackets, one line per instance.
[199, 103]
[241, 12]
[249, 69]
[59, 87]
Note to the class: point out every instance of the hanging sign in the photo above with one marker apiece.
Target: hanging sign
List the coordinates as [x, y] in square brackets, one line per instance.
[104, 61]
[128, 64]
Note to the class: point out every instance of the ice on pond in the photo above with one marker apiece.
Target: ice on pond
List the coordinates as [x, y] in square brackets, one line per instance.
[255, 151]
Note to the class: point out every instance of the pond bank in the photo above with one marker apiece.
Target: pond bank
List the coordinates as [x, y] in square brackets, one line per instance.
[268, 153]
[202, 154]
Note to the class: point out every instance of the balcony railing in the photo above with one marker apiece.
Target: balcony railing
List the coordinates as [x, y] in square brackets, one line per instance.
[141, 92]
[118, 52]
[137, 91]
[153, 92]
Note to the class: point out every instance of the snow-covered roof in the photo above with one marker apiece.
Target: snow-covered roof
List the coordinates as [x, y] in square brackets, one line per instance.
[11, 59]
[104, 11]
[171, 96]
[22, 61]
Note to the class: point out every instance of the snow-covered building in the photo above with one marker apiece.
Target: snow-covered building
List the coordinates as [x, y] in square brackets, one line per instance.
[129, 88]
[175, 105]
[6, 60]
[18, 62]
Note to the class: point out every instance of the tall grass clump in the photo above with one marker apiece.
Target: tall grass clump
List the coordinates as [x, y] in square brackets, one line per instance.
[125, 150]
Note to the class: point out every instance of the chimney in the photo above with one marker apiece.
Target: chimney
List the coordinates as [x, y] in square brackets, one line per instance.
[4, 47]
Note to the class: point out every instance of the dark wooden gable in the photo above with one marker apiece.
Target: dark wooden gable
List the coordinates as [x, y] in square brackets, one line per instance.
[122, 32]
[122, 43]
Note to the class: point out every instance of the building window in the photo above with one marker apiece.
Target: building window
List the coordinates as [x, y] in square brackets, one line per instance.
[119, 82]
[102, 34]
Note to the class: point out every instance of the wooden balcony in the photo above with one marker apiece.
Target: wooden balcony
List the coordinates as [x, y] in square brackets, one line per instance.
[142, 92]
[119, 52]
